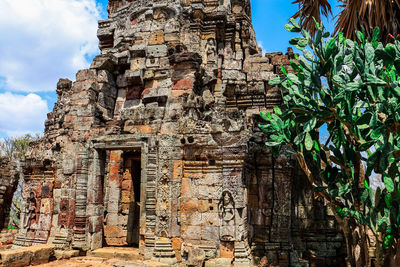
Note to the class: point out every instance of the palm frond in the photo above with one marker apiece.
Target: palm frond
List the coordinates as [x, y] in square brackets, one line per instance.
[310, 9]
[366, 15]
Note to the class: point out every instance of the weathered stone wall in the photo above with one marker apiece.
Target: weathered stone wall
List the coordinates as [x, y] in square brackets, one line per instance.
[37, 210]
[8, 184]
[179, 84]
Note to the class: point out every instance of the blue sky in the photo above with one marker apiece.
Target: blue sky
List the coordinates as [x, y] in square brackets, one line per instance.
[44, 40]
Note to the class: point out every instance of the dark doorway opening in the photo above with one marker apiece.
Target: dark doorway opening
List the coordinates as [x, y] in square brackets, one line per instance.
[132, 176]
[122, 198]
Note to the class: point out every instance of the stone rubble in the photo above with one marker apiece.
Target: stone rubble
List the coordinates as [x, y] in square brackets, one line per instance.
[157, 146]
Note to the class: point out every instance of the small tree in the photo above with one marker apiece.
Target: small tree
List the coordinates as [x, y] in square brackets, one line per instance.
[14, 148]
[353, 15]
[350, 92]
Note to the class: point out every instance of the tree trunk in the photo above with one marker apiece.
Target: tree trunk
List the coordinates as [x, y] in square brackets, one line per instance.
[357, 242]
[391, 257]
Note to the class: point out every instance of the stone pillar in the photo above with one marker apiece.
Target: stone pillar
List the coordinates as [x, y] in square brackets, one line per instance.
[95, 205]
[113, 232]
[80, 227]
[281, 220]
[150, 202]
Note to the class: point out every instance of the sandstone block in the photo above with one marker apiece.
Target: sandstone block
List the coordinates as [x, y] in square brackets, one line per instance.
[134, 77]
[233, 65]
[192, 232]
[156, 38]
[117, 241]
[113, 231]
[221, 262]
[152, 62]
[41, 253]
[171, 37]
[156, 51]
[65, 254]
[138, 51]
[27, 256]
[104, 76]
[112, 218]
[210, 218]
[242, 263]
[16, 258]
[227, 250]
[103, 62]
[187, 188]
[189, 205]
[196, 257]
[63, 85]
[148, 74]
[126, 196]
[126, 185]
[46, 205]
[280, 60]
[138, 63]
[84, 75]
[210, 233]
[233, 75]
[260, 76]
[184, 84]
[177, 246]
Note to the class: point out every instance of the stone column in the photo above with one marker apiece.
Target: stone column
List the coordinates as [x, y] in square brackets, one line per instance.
[79, 238]
[95, 204]
[150, 202]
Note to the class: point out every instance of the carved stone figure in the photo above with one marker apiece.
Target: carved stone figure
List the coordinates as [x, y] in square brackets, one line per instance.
[30, 211]
[226, 209]
[211, 50]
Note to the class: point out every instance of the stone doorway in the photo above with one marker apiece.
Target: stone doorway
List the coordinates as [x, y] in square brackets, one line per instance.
[122, 199]
[132, 175]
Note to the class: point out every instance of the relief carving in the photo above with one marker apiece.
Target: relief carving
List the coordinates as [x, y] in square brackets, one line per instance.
[211, 50]
[226, 208]
[30, 211]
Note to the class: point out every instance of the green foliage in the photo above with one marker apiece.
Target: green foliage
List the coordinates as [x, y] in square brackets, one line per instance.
[14, 148]
[350, 90]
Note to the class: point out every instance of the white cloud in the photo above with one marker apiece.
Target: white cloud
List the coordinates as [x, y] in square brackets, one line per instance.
[20, 114]
[43, 40]
[260, 44]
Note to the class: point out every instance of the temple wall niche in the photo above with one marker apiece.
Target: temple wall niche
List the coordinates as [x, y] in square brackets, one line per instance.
[37, 211]
[287, 232]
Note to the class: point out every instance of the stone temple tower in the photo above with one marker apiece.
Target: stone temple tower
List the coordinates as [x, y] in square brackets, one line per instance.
[156, 146]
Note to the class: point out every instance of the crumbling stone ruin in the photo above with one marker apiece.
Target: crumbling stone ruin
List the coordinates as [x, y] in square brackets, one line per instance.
[156, 146]
[8, 184]
[9, 176]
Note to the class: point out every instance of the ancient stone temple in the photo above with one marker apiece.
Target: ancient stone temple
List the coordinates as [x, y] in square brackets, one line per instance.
[8, 184]
[156, 146]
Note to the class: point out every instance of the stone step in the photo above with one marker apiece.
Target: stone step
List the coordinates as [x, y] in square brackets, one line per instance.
[140, 264]
[65, 254]
[33, 255]
[128, 254]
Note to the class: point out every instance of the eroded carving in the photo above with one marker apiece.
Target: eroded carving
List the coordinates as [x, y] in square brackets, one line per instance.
[226, 209]
[30, 211]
